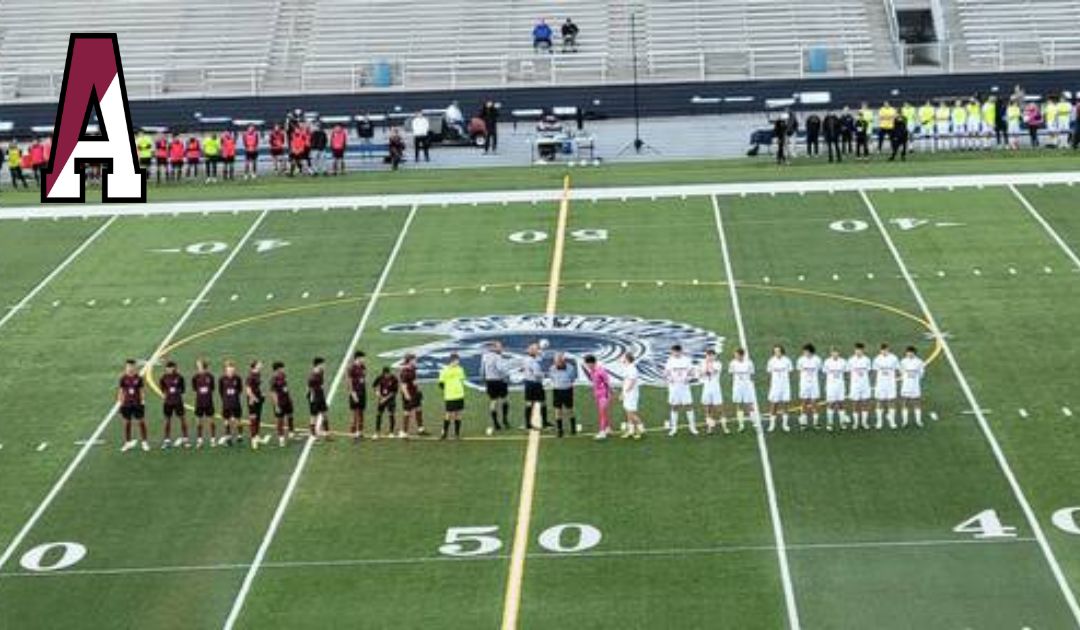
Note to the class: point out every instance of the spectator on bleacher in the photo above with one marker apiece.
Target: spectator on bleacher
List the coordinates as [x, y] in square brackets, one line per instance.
[365, 130]
[541, 34]
[489, 113]
[228, 155]
[421, 130]
[278, 140]
[193, 154]
[1034, 121]
[569, 32]
[847, 130]
[395, 148]
[339, 140]
[176, 156]
[831, 131]
[319, 142]
[251, 152]
[212, 152]
[813, 134]
[14, 160]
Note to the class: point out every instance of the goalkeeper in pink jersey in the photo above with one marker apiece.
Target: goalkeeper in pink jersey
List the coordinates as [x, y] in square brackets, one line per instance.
[601, 387]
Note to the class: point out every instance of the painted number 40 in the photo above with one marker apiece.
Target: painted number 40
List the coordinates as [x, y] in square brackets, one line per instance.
[987, 524]
[467, 542]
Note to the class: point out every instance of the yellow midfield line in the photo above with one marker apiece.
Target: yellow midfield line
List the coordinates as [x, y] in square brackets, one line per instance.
[512, 599]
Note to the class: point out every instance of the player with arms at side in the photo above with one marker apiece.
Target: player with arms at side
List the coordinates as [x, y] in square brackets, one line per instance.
[282, 401]
[319, 424]
[173, 388]
[412, 398]
[533, 380]
[885, 367]
[254, 395]
[911, 374]
[835, 368]
[779, 368]
[601, 388]
[809, 367]
[631, 398]
[859, 393]
[230, 388]
[129, 396]
[712, 394]
[678, 372]
[202, 383]
[493, 369]
[386, 392]
[741, 369]
[357, 394]
[563, 375]
[452, 383]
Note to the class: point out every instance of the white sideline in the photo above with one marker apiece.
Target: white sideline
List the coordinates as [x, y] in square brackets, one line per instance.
[980, 417]
[542, 195]
[766, 465]
[1046, 226]
[301, 462]
[96, 435]
[56, 271]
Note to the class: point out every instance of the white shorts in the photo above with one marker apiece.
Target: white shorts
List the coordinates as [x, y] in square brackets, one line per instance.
[885, 390]
[859, 391]
[1014, 127]
[630, 401]
[742, 394]
[780, 392]
[679, 395]
[911, 389]
[834, 392]
[974, 127]
[810, 390]
[712, 396]
[1063, 124]
[943, 129]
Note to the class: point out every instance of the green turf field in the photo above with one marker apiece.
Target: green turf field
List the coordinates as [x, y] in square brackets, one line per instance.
[968, 523]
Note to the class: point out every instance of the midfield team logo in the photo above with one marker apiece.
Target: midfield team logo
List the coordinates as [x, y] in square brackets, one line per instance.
[93, 84]
[606, 337]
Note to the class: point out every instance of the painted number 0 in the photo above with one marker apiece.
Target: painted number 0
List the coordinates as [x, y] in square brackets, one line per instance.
[465, 542]
[553, 538]
[52, 556]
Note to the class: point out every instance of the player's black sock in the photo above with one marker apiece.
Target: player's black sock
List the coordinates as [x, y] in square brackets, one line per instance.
[495, 420]
[528, 417]
[378, 423]
[543, 417]
[506, 414]
[573, 425]
[392, 423]
[457, 428]
[445, 428]
[559, 425]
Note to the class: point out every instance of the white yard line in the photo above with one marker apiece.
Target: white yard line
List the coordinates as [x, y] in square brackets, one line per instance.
[616, 553]
[96, 435]
[519, 550]
[1046, 226]
[544, 195]
[980, 417]
[56, 271]
[766, 466]
[305, 454]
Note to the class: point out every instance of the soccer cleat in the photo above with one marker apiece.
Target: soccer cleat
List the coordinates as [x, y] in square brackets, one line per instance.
[693, 429]
[130, 444]
[918, 422]
[626, 433]
[166, 444]
[421, 431]
[785, 426]
[639, 435]
[602, 435]
[673, 430]
[403, 435]
[772, 424]
[255, 445]
[145, 445]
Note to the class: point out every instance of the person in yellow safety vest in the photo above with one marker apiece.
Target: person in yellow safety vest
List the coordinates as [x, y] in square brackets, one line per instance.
[1064, 111]
[14, 161]
[866, 114]
[144, 146]
[212, 152]
[959, 124]
[989, 120]
[1049, 112]
[1012, 119]
[886, 123]
[974, 122]
[926, 125]
[943, 130]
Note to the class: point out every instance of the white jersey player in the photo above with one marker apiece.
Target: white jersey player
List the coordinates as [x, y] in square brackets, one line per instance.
[859, 391]
[779, 368]
[678, 372]
[741, 370]
[809, 368]
[886, 367]
[630, 396]
[835, 368]
[712, 395]
[911, 373]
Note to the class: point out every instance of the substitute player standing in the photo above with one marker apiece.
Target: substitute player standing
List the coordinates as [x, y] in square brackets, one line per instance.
[202, 383]
[911, 371]
[779, 368]
[885, 367]
[859, 392]
[230, 387]
[678, 372]
[809, 367]
[129, 396]
[386, 392]
[173, 388]
[631, 398]
[319, 424]
[741, 369]
[493, 369]
[835, 368]
[563, 375]
[357, 394]
[253, 393]
[452, 383]
[283, 404]
[712, 396]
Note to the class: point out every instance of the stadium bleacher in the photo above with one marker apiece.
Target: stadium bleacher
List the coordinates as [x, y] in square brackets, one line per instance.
[1019, 32]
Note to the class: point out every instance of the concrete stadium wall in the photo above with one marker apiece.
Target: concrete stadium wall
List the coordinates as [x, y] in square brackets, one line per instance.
[606, 101]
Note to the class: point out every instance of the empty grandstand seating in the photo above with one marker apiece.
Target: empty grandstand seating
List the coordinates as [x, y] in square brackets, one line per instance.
[1018, 33]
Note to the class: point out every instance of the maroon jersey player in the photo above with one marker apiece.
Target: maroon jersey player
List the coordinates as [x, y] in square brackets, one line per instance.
[254, 394]
[319, 425]
[357, 394]
[282, 401]
[386, 391]
[129, 398]
[172, 388]
[412, 398]
[231, 388]
[202, 383]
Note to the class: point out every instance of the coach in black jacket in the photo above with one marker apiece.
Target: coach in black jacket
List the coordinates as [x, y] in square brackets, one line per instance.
[832, 130]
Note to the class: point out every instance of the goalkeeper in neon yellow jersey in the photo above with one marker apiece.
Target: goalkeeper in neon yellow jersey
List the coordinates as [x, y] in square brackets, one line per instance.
[452, 383]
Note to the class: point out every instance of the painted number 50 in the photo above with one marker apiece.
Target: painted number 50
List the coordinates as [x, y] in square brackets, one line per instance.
[465, 542]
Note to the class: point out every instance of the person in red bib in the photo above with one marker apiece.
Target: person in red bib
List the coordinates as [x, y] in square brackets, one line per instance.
[297, 149]
[161, 154]
[228, 155]
[37, 160]
[176, 157]
[339, 139]
[277, 148]
[251, 152]
[194, 155]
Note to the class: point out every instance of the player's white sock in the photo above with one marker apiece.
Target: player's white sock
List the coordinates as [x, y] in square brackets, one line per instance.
[814, 419]
[723, 424]
[802, 420]
[918, 417]
[879, 412]
[784, 419]
[891, 415]
[673, 422]
[741, 419]
[691, 422]
[866, 419]
[903, 417]
[772, 423]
